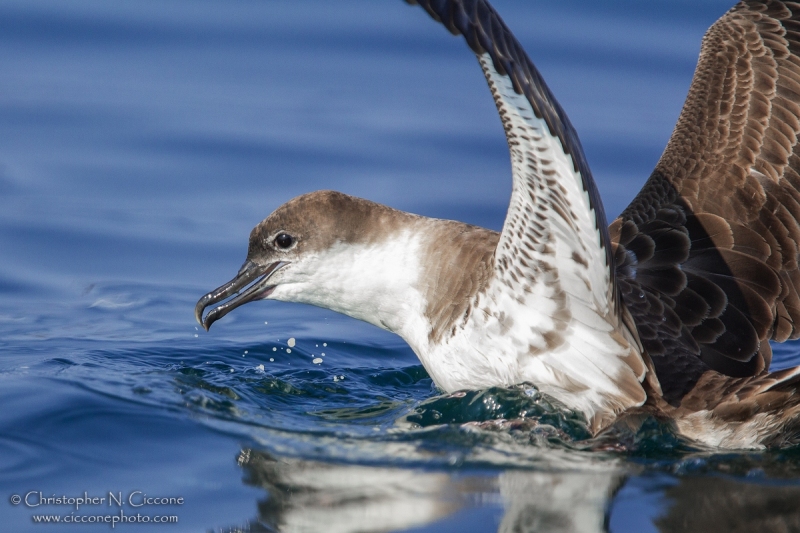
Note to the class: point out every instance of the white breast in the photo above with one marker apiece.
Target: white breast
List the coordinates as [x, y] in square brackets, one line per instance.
[547, 315]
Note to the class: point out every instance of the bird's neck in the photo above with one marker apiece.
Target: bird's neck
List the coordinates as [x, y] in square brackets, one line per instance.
[417, 280]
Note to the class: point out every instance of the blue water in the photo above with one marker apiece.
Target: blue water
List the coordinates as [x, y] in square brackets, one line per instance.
[140, 141]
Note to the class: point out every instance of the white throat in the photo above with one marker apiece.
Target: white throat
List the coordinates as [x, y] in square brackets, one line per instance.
[375, 282]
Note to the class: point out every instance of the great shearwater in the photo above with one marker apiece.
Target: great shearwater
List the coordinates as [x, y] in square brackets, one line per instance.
[667, 312]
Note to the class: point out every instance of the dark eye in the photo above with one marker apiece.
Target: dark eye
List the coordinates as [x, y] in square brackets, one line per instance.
[284, 240]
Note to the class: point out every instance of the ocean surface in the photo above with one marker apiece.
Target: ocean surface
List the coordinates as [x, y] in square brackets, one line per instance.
[141, 140]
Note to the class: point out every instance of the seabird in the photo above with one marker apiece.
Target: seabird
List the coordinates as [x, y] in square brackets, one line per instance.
[667, 312]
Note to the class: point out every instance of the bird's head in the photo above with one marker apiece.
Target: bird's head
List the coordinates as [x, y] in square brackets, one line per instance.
[309, 250]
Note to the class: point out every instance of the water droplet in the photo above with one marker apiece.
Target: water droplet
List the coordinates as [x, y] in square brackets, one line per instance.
[288, 350]
[291, 342]
[274, 349]
[271, 360]
[317, 361]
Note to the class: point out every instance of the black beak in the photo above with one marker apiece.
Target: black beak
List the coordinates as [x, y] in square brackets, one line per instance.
[251, 283]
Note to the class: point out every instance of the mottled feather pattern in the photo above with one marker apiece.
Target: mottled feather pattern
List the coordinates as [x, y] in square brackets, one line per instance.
[728, 182]
[705, 258]
[546, 300]
[487, 34]
[452, 246]
[546, 288]
[749, 412]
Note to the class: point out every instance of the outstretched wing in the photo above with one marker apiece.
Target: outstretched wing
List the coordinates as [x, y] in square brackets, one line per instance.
[509, 70]
[552, 265]
[708, 250]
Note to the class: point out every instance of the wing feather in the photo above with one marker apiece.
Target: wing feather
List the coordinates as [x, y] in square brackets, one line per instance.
[554, 255]
[705, 258]
[731, 170]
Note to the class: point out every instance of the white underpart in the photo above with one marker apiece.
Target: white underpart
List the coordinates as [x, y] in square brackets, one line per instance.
[371, 282]
[505, 339]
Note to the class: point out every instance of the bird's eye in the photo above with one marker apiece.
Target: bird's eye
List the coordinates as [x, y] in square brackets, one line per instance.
[284, 240]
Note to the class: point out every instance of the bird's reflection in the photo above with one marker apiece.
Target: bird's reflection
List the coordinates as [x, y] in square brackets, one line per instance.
[304, 495]
[308, 495]
[730, 505]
